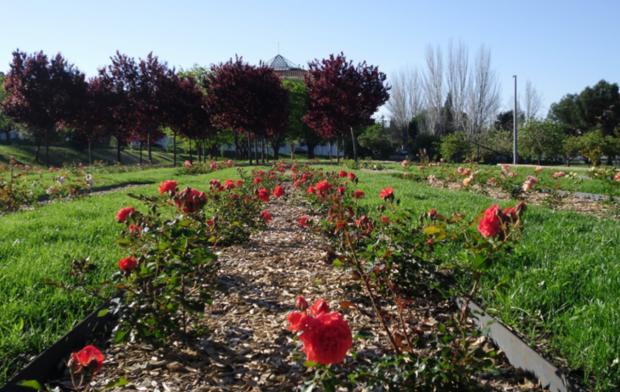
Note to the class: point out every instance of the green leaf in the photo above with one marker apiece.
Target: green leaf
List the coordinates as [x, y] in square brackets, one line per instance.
[32, 384]
[121, 382]
[337, 263]
[103, 312]
[310, 364]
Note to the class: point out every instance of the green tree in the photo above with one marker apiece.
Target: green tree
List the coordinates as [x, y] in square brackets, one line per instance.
[455, 147]
[6, 124]
[596, 107]
[541, 140]
[298, 132]
[374, 139]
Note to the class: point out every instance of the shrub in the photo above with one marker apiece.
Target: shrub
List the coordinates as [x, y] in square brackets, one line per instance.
[455, 147]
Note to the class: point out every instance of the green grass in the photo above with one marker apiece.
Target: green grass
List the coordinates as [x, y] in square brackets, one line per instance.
[40, 244]
[60, 156]
[560, 286]
[581, 184]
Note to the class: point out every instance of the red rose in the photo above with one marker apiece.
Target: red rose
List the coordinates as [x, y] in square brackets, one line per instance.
[297, 321]
[124, 213]
[491, 223]
[216, 184]
[342, 174]
[432, 213]
[263, 194]
[352, 176]
[229, 184]
[168, 186]
[87, 357]
[213, 165]
[128, 264]
[257, 180]
[190, 200]
[322, 187]
[327, 338]
[188, 164]
[358, 194]
[319, 306]
[278, 191]
[239, 183]
[266, 215]
[341, 190]
[310, 190]
[385, 220]
[134, 229]
[301, 303]
[387, 193]
[303, 221]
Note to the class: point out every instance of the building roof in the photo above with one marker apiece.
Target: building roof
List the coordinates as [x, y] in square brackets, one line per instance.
[281, 63]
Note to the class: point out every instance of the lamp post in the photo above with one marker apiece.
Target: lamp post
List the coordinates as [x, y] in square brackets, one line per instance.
[515, 155]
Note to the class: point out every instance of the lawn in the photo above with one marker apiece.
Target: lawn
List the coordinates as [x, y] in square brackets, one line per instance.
[40, 244]
[63, 155]
[561, 285]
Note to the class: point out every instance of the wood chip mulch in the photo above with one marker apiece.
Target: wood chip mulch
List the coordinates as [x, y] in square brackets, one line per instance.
[248, 347]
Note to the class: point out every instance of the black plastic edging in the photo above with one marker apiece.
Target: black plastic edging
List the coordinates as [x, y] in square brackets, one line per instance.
[519, 354]
[50, 364]
[103, 188]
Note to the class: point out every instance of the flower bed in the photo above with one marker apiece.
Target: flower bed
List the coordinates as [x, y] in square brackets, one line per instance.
[386, 286]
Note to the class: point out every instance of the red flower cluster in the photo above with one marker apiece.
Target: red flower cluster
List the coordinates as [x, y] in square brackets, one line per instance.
[190, 200]
[387, 193]
[278, 191]
[263, 194]
[167, 186]
[216, 184]
[342, 174]
[303, 221]
[124, 213]
[88, 357]
[229, 184]
[326, 335]
[322, 187]
[358, 194]
[128, 264]
[266, 215]
[494, 219]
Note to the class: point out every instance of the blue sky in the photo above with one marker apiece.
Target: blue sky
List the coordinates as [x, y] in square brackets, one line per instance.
[561, 46]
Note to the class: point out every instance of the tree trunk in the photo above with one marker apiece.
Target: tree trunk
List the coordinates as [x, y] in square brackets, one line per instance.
[353, 142]
[236, 145]
[174, 149]
[140, 153]
[148, 145]
[276, 149]
[292, 147]
[7, 132]
[191, 158]
[249, 149]
[36, 153]
[339, 145]
[118, 150]
[311, 148]
[262, 148]
[90, 152]
[47, 149]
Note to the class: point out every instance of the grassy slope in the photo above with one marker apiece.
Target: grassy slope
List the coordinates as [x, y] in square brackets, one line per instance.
[67, 155]
[564, 277]
[40, 244]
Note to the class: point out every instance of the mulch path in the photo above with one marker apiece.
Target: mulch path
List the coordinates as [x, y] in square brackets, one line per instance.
[248, 347]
